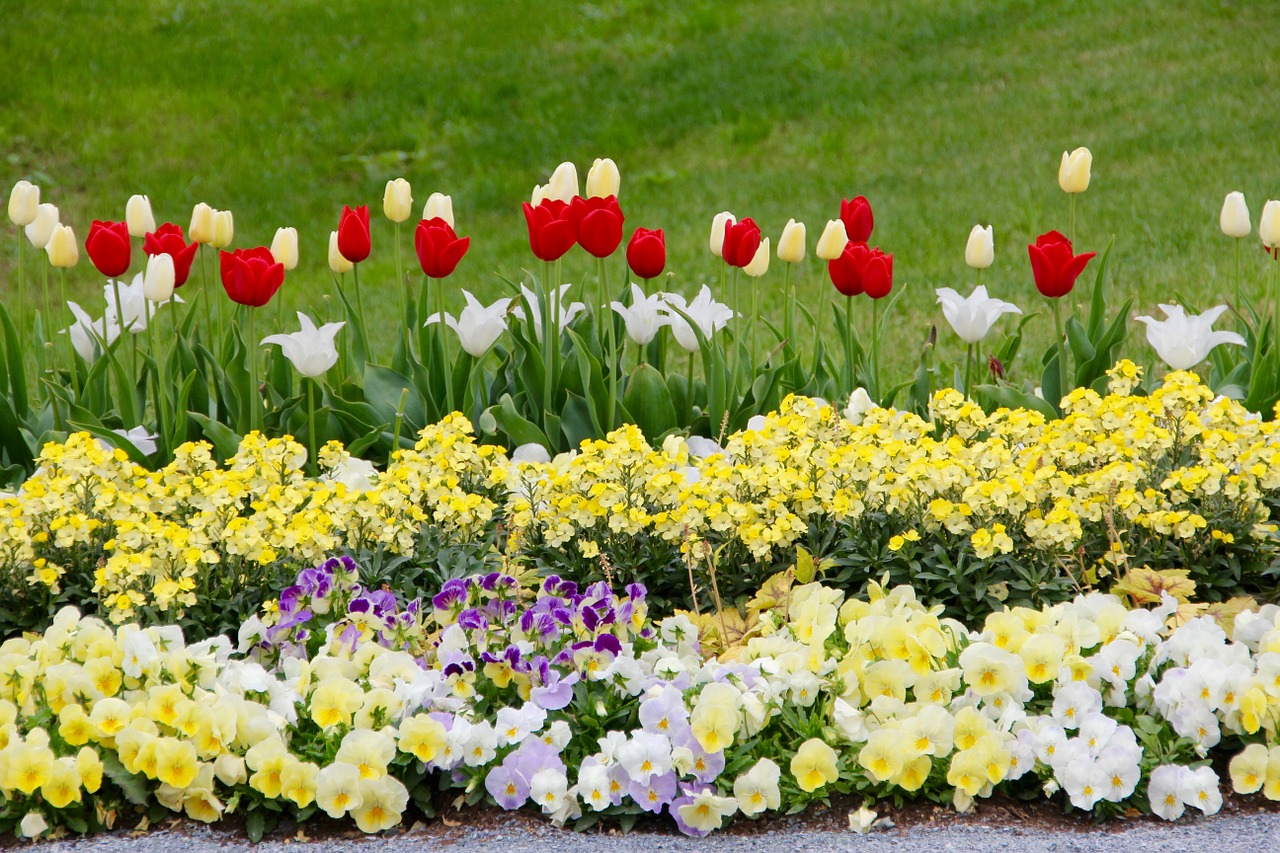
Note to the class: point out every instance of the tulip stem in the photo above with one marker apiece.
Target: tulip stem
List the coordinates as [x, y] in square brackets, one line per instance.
[161, 416]
[737, 336]
[22, 292]
[403, 287]
[1072, 204]
[251, 353]
[71, 350]
[849, 377]
[968, 368]
[1062, 351]
[1238, 306]
[752, 354]
[311, 425]
[355, 272]
[47, 315]
[786, 308]
[545, 311]
[875, 350]
[612, 362]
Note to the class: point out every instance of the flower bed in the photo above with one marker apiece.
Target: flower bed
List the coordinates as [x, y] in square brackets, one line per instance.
[574, 701]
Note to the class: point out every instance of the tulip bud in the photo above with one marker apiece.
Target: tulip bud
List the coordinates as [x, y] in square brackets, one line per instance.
[440, 206]
[980, 253]
[759, 264]
[563, 184]
[1074, 173]
[833, 240]
[397, 200]
[61, 247]
[224, 229]
[284, 248]
[603, 180]
[538, 195]
[157, 282]
[137, 215]
[202, 229]
[24, 199]
[1269, 224]
[1234, 219]
[40, 229]
[337, 263]
[721, 219]
[791, 243]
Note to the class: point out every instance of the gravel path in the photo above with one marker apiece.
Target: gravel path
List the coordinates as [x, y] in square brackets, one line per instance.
[1257, 833]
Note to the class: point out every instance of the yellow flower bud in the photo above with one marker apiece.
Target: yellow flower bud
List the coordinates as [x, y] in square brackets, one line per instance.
[202, 229]
[337, 263]
[24, 198]
[138, 216]
[284, 247]
[224, 229]
[833, 240]
[1074, 173]
[791, 243]
[62, 249]
[439, 206]
[603, 179]
[397, 200]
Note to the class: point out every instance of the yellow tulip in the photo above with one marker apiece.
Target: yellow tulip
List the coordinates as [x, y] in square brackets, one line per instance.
[224, 229]
[337, 263]
[202, 228]
[832, 242]
[1075, 170]
[397, 200]
[284, 247]
[138, 216]
[62, 249]
[603, 179]
[24, 200]
[791, 243]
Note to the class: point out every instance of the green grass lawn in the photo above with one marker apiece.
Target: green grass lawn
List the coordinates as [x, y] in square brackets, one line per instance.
[943, 113]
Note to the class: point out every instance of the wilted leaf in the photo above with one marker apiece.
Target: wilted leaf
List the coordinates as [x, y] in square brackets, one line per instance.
[1227, 611]
[773, 593]
[1146, 585]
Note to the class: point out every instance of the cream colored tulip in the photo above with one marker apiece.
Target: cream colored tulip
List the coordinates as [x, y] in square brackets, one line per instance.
[397, 200]
[563, 185]
[62, 248]
[158, 280]
[439, 206]
[980, 252]
[138, 216]
[538, 195]
[721, 219]
[203, 229]
[833, 240]
[1234, 219]
[1075, 171]
[24, 199]
[603, 179]
[224, 229]
[40, 229]
[759, 261]
[284, 247]
[791, 243]
[337, 263]
[1269, 224]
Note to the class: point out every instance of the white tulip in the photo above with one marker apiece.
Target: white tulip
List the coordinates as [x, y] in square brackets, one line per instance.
[439, 206]
[140, 437]
[1184, 340]
[311, 350]
[284, 247]
[40, 228]
[972, 318]
[478, 326]
[718, 224]
[203, 228]
[563, 185]
[397, 200]
[531, 301]
[337, 263]
[89, 335]
[157, 282]
[1234, 219]
[62, 248]
[710, 315]
[138, 216]
[644, 317]
[24, 200]
[135, 310]
[759, 264]
[833, 240]
[980, 252]
[1269, 224]
[224, 229]
[603, 179]
[860, 403]
[791, 243]
[1075, 170]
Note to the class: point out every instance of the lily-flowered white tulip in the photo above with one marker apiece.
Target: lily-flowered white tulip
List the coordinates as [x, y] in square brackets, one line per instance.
[140, 437]
[311, 350]
[980, 251]
[860, 403]
[88, 334]
[644, 317]
[711, 316]
[134, 310]
[529, 300]
[1183, 340]
[477, 325]
[972, 318]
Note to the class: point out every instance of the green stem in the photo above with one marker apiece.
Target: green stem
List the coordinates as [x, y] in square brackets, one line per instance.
[875, 350]
[737, 336]
[611, 361]
[395, 444]
[403, 287]
[45, 281]
[71, 351]
[1072, 235]
[311, 425]
[545, 311]
[1062, 351]
[755, 321]
[22, 290]
[251, 354]
[968, 368]
[1237, 242]
[787, 309]
[355, 272]
[849, 375]
[157, 388]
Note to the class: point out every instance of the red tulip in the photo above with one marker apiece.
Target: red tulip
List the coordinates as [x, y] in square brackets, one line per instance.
[251, 276]
[439, 247]
[551, 231]
[598, 224]
[1054, 266]
[353, 233]
[108, 247]
[857, 218]
[167, 240]
[647, 253]
[741, 239]
[862, 270]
